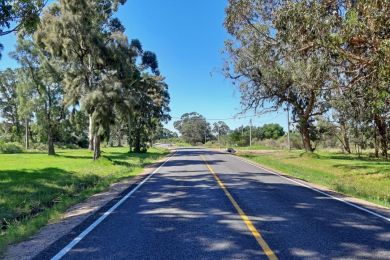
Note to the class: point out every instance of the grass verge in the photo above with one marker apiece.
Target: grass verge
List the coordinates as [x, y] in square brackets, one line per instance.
[254, 147]
[36, 188]
[361, 177]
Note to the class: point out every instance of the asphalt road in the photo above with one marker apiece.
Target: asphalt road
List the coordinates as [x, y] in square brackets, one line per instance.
[227, 209]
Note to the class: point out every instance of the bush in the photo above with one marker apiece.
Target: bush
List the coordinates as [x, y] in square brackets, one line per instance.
[10, 148]
[281, 142]
[38, 146]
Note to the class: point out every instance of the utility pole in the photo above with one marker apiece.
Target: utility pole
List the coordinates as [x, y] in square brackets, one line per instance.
[288, 126]
[250, 132]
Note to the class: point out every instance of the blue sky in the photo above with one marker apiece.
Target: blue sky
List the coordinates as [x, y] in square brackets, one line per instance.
[188, 38]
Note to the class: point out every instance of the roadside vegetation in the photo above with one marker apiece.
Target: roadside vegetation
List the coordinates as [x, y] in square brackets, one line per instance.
[81, 85]
[89, 86]
[326, 61]
[36, 188]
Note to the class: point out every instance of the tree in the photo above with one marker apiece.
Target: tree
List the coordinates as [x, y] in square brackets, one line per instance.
[164, 133]
[78, 32]
[9, 109]
[240, 136]
[151, 108]
[271, 62]
[220, 128]
[142, 90]
[19, 14]
[270, 131]
[193, 127]
[42, 80]
[363, 43]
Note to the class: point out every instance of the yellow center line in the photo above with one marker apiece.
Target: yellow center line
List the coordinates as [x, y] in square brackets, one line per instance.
[260, 240]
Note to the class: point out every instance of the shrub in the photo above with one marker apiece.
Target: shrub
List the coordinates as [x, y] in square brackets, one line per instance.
[38, 146]
[10, 147]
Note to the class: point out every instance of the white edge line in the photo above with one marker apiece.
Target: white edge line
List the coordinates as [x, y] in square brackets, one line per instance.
[316, 190]
[76, 240]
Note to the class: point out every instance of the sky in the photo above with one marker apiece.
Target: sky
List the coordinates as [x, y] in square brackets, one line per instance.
[188, 38]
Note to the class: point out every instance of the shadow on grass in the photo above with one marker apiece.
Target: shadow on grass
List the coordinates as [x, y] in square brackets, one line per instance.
[369, 168]
[356, 158]
[26, 193]
[75, 156]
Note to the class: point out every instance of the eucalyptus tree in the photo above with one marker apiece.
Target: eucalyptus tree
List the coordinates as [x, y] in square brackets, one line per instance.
[220, 128]
[42, 77]
[78, 31]
[9, 109]
[270, 60]
[138, 75]
[127, 76]
[193, 127]
[19, 15]
[363, 42]
[150, 110]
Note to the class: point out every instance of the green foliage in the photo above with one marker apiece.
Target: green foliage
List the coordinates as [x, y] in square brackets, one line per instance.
[193, 128]
[164, 133]
[220, 128]
[9, 107]
[270, 60]
[77, 62]
[269, 131]
[240, 136]
[10, 147]
[313, 56]
[19, 15]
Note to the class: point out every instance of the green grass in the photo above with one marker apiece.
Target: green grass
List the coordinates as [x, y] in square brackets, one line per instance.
[36, 188]
[362, 177]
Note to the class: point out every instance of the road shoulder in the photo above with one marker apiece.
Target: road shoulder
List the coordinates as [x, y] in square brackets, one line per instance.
[322, 189]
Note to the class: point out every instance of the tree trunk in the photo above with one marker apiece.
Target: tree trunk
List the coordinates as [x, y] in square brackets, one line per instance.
[50, 141]
[26, 139]
[381, 126]
[304, 129]
[110, 141]
[120, 138]
[344, 134]
[129, 141]
[90, 134]
[137, 142]
[96, 146]
[376, 145]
